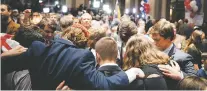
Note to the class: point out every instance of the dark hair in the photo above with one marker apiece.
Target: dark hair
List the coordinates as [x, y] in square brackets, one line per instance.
[26, 35]
[8, 7]
[126, 29]
[47, 22]
[186, 20]
[165, 29]
[193, 83]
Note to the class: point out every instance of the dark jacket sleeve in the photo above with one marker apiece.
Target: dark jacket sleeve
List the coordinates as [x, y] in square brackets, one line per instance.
[25, 60]
[96, 79]
[188, 69]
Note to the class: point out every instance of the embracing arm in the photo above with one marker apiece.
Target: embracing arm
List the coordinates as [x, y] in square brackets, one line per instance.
[188, 68]
[97, 80]
[23, 61]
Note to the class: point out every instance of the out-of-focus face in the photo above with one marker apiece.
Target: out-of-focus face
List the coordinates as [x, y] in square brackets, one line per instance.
[53, 17]
[48, 33]
[36, 18]
[4, 10]
[159, 41]
[76, 21]
[27, 13]
[15, 13]
[86, 21]
[35, 15]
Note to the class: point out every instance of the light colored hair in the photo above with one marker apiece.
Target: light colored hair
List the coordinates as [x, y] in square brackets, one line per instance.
[66, 21]
[75, 35]
[140, 51]
[86, 15]
[193, 83]
[95, 35]
[107, 48]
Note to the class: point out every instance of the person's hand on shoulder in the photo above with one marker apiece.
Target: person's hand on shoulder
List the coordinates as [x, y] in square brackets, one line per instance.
[172, 71]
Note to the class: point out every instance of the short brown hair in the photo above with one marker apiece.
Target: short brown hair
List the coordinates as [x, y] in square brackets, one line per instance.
[107, 48]
[95, 35]
[165, 29]
[126, 29]
[75, 35]
[193, 83]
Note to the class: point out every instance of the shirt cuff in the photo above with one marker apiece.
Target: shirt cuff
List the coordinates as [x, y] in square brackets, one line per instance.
[181, 75]
[132, 74]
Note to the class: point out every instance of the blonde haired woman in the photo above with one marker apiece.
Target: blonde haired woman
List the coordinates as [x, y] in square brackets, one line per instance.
[142, 53]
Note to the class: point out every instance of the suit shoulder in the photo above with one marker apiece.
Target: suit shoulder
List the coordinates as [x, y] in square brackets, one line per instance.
[181, 55]
[37, 43]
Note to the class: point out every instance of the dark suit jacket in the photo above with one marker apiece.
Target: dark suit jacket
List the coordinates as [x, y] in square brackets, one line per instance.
[109, 70]
[139, 84]
[50, 65]
[185, 62]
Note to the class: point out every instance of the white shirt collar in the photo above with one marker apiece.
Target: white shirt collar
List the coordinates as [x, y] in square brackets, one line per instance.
[168, 49]
[107, 64]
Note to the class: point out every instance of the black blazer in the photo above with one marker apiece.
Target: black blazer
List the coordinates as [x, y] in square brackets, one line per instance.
[139, 84]
[155, 83]
[109, 70]
[50, 65]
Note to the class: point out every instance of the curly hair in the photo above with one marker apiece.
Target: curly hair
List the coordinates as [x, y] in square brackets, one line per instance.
[140, 51]
[75, 35]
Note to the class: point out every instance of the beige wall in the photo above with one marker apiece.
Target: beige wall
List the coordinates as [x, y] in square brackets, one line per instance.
[163, 9]
[127, 4]
[79, 2]
[152, 8]
[69, 3]
[75, 3]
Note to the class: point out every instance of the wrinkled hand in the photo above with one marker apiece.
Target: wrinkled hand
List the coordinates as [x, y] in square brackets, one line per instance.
[14, 52]
[62, 86]
[172, 71]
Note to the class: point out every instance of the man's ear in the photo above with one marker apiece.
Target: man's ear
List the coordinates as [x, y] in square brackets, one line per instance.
[98, 58]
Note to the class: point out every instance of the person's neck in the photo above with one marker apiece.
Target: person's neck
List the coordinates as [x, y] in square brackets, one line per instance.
[168, 45]
[107, 62]
[9, 20]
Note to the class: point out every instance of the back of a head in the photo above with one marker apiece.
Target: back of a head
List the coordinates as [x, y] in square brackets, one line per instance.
[141, 51]
[126, 29]
[26, 35]
[48, 22]
[193, 83]
[95, 35]
[86, 15]
[75, 35]
[125, 18]
[66, 21]
[105, 51]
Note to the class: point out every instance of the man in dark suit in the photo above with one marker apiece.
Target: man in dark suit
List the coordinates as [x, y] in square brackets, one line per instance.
[163, 35]
[62, 61]
[106, 56]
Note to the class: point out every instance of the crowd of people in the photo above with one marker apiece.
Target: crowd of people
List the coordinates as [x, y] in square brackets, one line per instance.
[50, 51]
